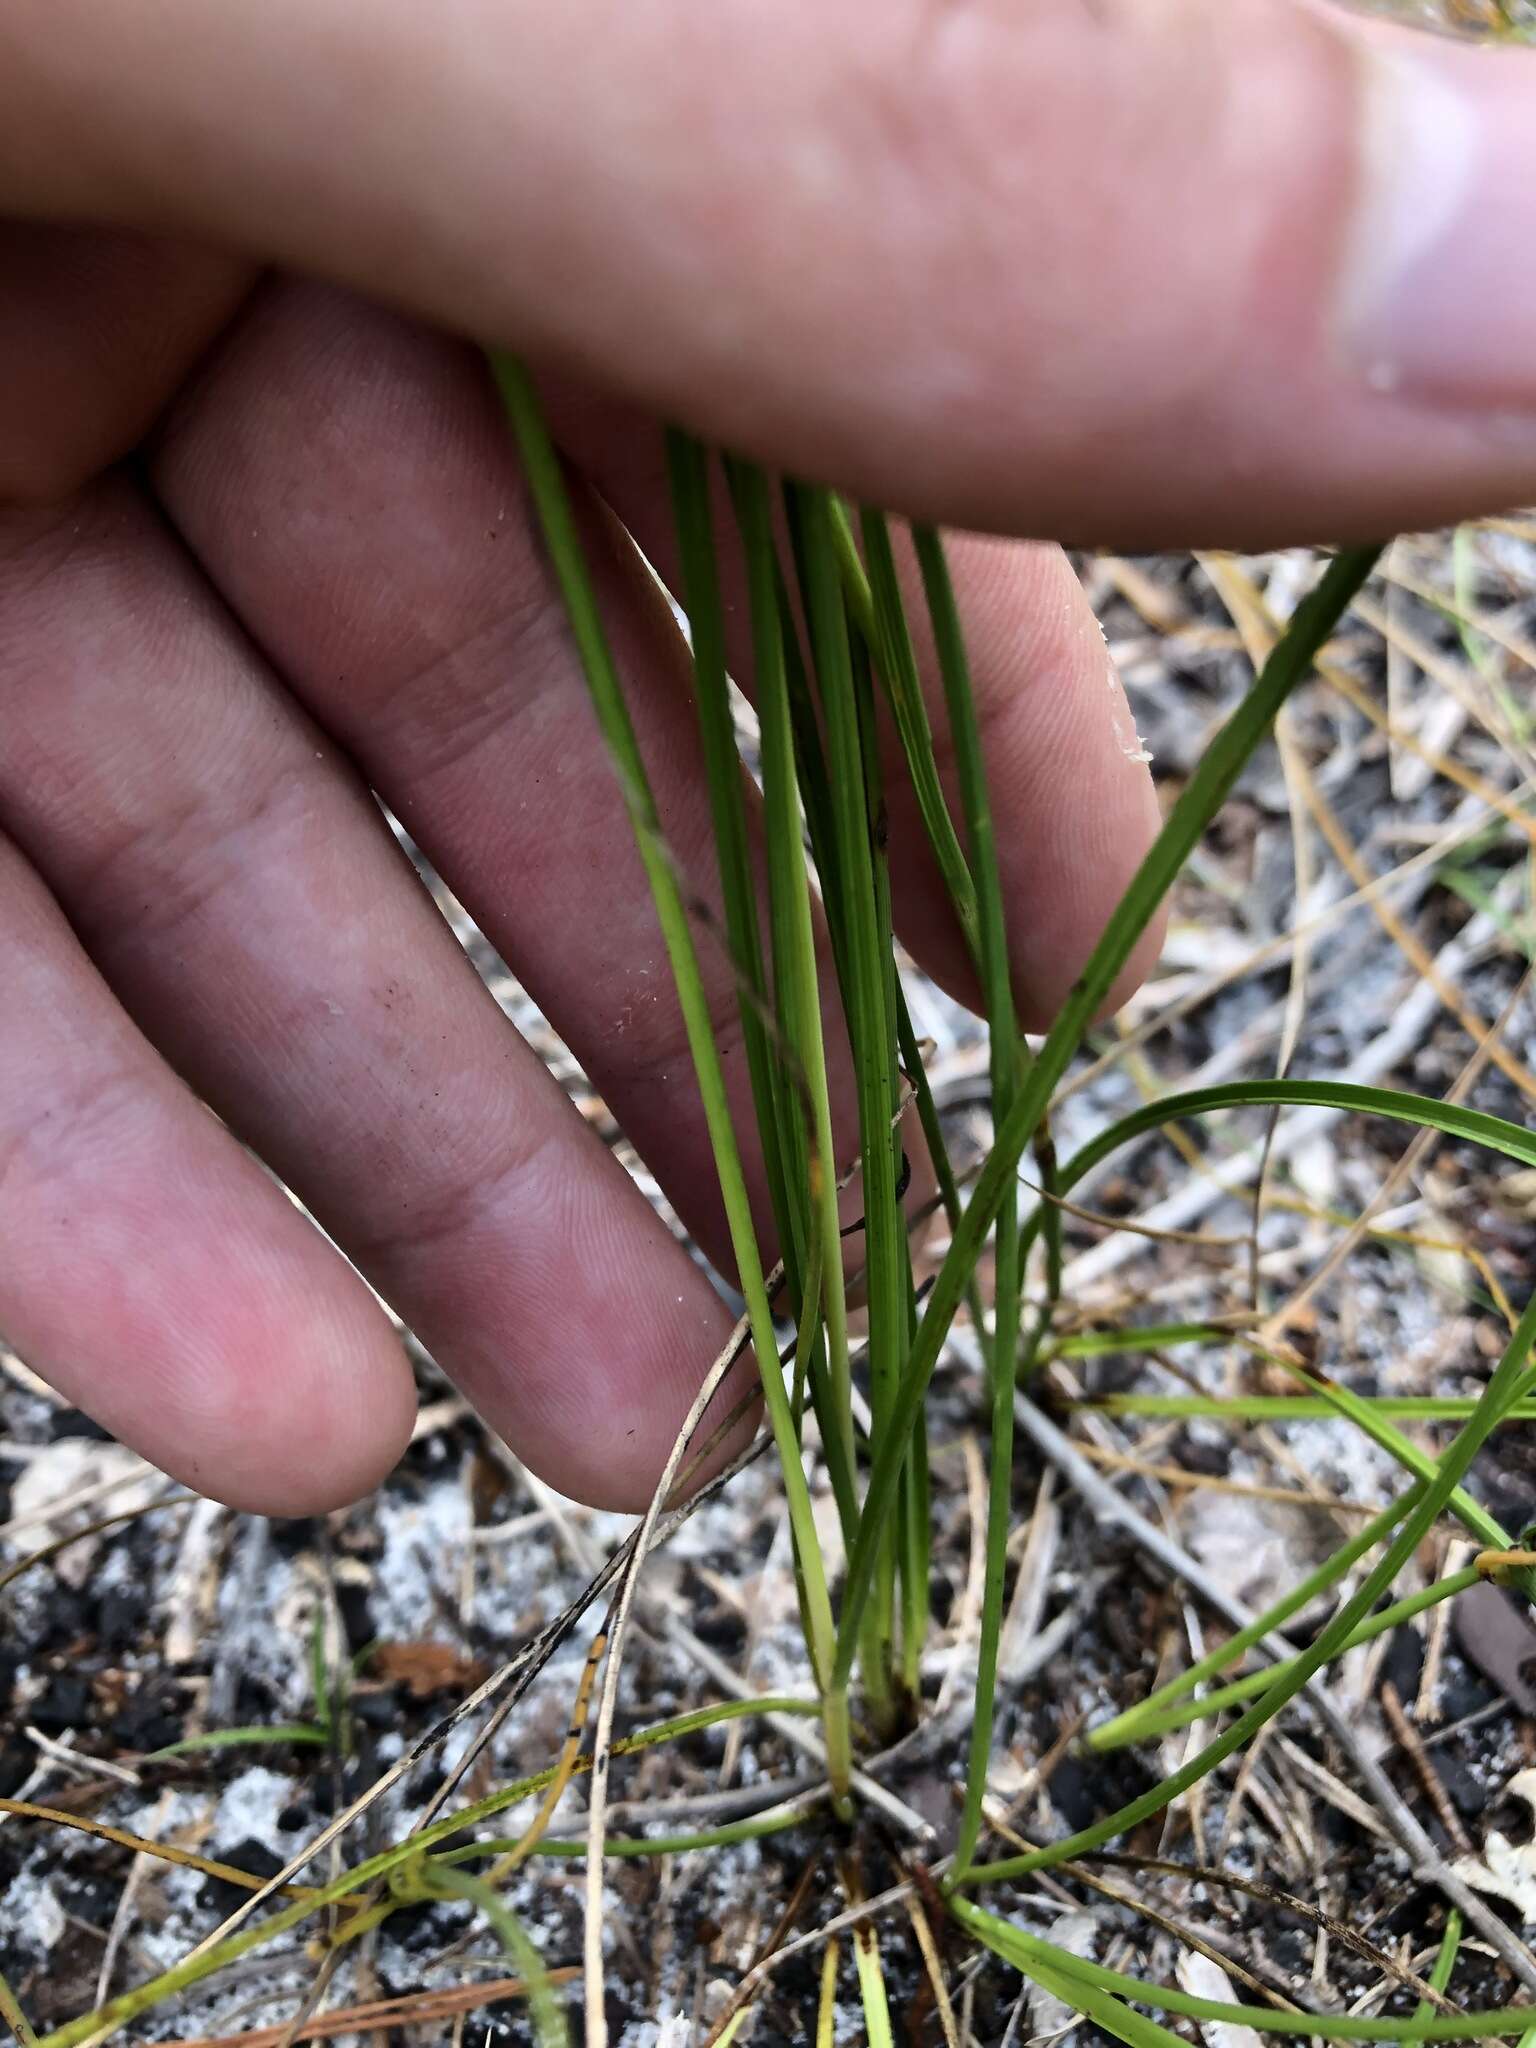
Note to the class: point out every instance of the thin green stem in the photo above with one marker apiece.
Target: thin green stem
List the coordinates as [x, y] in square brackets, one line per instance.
[1427, 1499]
[913, 1565]
[960, 700]
[882, 615]
[1445, 1961]
[726, 1837]
[1453, 1118]
[1286, 667]
[907, 1557]
[14, 2017]
[796, 986]
[1028, 1953]
[852, 882]
[546, 484]
[550, 2026]
[688, 477]
[1243, 1408]
[1143, 1337]
[1164, 1722]
[933, 1138]
[1131, 1725]
[1004, 1047]
[1472, 1515]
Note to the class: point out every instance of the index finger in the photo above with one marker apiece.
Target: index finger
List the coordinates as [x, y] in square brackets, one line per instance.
[1140, 270]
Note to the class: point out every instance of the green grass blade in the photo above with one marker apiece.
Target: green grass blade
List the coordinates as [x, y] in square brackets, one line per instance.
[1379, 1624]
[1134, 1723]
[1511, 1377]
[914, 1562]
[1004, 1048]
[1471, 1513]
[301, 1732]
[551, 2028]
[547, 486]
[797, 991]
[908, 1552]
[632, 1846]
[1241, 1408]
[954, 668]
[1223, 761]
[688, 478]
[1453, 1118]
[933, 1137]
[1147, 1718]
[851, 881]
[1046, 1964]
[14, 2017]
[1027, 1952]
[1143, 1337]
[877, 2010]
[1445, 1961]
[892, 647]
[1495, 1133]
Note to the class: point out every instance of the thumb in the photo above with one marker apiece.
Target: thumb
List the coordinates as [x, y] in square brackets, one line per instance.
[1143, 271]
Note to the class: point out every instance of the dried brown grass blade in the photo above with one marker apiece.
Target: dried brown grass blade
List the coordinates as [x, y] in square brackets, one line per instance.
[416, 2009]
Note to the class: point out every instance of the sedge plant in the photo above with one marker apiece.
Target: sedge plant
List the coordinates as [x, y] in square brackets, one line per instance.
[831, 645]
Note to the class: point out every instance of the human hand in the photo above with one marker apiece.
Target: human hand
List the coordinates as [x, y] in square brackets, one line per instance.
[1110, 271]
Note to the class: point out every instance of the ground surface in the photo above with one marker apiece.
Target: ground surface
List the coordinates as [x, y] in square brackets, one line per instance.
[191, 1618]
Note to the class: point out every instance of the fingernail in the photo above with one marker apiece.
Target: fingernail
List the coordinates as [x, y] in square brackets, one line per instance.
[1439, 287]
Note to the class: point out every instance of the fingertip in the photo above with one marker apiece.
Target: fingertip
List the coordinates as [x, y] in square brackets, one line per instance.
[618, 1470]
[292, 1398]
[608, 1445]
[337, 1427]
[1138, 968]
[154, 1273]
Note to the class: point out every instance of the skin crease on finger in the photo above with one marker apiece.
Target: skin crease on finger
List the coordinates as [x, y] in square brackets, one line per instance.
[1080, 270]
[428, 640]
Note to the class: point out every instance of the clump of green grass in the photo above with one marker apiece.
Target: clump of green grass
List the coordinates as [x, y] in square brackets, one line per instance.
[830, 641]
[855, 640]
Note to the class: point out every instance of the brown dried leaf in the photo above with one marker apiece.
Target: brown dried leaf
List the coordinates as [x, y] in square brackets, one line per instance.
[426, 1668]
